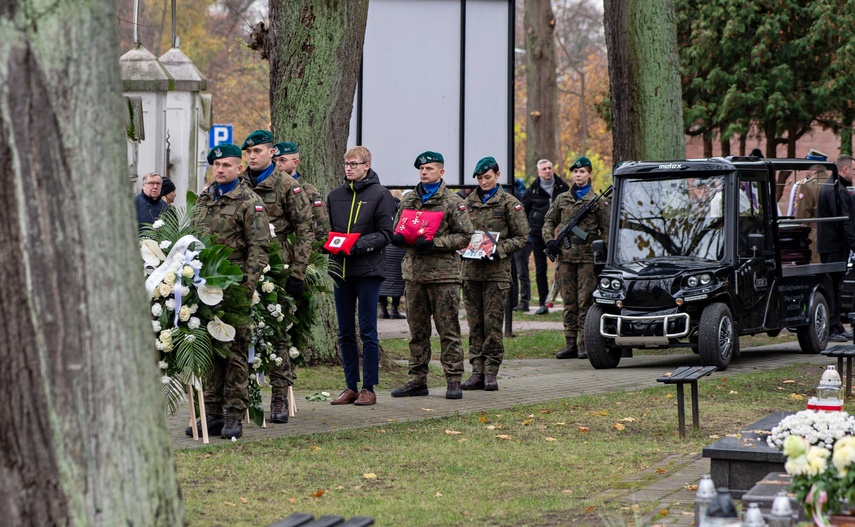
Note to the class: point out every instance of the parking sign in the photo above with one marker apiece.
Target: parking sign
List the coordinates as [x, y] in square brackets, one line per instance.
[219, 134]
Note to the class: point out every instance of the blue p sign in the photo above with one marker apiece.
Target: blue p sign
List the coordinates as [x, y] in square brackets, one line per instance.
[219, 134]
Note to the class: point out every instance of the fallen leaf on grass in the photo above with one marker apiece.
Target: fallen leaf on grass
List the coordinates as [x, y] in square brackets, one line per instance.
[230, 504]
[663, 512]
[567, 491]
[527, 422]
[207, 456]
[690, 487]
[314, 447]
[244, 500]
[453, 432]
[670, 395]
[340, 487]
[547, 411]
[598, 413]
[491, 427]
[628, 419]
[661, 470]
[292, 500]
[584, 429]
[560, 423]
[427, 410]
[618, 427]
[370, 475]
[714, 436]
[503, 436]
[550, 439]
[797, 396]
[318, 494]
[462, 439]
[788, 381]
[438, 494]
[483, 419]
[590, 509]
[733, 392]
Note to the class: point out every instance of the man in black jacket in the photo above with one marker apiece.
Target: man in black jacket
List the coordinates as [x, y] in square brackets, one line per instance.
[835, 240]
[148, 203]
[362, 205]
[537, 200]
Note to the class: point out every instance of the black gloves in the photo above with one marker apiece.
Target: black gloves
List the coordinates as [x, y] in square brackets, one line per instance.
[294, 286]
[494, 257]
[423, 244]
[553, 247]
[397, 239]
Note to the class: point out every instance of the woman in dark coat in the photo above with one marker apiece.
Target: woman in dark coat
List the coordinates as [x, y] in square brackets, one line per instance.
[393, 286]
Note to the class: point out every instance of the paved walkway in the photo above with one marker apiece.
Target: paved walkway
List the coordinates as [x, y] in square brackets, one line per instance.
[528, 382]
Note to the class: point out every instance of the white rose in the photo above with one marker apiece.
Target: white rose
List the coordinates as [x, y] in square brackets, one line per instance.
[271, 308]
[167, 347]
[184, 314]
[157, 224]
[252, 377]
[256, 298]
[155, 294]
[267, 287]
[165, 336]
[193, 323]
[185, 290]
[163, 365]
[156, 310]
[272, 356]
[165, 289]
[187, 272]
[165, 244]
[261, 324]
[170, 304]
[293, 352]
[155, 325]
[196, 264]
[266, 269]
[194, 308]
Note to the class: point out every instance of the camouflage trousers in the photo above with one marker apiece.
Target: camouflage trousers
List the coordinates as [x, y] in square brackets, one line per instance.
[440, 301]
[576, 281]
[485, 311]
[228, 383]
[283, 376]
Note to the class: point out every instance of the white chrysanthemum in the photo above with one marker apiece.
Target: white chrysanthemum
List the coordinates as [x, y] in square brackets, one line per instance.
[196, 264]
[156, 310]
[157, 224]
[185, 290]
[266, 269]
[267, 287]
[165, 289]
[187, 272]
[795, 446]
[194, 323]
[155, 325]
[175, 265]
[158, 344]
[165, 244]
[162, 364]
[272, 356]
[184, 314]
[844, 454]
[293, 352]
[817, 458]
[194, 308]
[252, 377]
[256, 298]
[170, 304]
[166, 379]
[279, 361]
[261, 324]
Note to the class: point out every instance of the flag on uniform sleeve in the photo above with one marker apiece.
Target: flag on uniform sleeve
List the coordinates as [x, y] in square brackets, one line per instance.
[341, 242]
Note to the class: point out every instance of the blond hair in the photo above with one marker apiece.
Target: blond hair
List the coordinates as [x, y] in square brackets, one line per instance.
[359, 152]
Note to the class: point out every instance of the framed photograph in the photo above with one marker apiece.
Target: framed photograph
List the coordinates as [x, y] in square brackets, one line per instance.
[482, 243]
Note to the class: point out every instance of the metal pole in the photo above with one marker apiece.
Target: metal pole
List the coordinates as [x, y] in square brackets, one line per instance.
[136, 22]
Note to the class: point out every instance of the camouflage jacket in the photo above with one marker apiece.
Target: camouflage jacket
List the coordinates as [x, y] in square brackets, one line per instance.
[290, 211]
[595, 223]
[503, 213]
[236, 219]
[320, 215]
[441, 264]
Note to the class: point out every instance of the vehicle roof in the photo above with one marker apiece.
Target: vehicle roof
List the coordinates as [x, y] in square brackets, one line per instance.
[717, 164]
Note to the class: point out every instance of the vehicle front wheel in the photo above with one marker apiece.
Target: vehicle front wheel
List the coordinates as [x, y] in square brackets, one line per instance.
[814, 336]
[717, 336]
[601, 355]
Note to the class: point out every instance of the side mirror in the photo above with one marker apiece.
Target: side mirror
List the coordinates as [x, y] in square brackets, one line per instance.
[756, 242]
[599, 248]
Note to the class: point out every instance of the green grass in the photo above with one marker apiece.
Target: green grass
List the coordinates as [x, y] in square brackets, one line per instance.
[556, 459]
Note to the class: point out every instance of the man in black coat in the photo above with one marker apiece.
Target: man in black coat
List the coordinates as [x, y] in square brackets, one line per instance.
[835, 240]
[148, 202]
[362, 205]
[537, 200]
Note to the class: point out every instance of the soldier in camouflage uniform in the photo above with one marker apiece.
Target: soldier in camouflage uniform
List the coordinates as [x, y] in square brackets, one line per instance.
[234, 214]
[431, 270]
[290, 211]
[287, 158]
[486, 282]
[575, 274]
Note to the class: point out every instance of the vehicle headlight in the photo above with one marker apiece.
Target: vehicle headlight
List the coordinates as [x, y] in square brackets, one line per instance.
[706, 279]
[604, 283]
[692, 281]
[616, 284]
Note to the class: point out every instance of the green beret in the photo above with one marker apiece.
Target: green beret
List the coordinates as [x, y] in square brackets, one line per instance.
[223, 150]
[485, 165]
[281, 149]
[581, 162]
[428, 157]
[258, 137]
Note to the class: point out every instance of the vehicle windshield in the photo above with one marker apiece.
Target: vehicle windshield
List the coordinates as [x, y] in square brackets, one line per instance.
[680, 217]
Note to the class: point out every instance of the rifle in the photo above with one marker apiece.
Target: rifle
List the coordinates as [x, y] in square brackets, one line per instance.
[572, 226]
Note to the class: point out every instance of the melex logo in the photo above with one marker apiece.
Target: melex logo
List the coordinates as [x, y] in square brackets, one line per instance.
[760, 282]
[670, 166]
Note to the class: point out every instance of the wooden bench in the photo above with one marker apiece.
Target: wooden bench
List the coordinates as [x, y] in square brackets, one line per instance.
[300, 519]
[843, 351]
[686, 375]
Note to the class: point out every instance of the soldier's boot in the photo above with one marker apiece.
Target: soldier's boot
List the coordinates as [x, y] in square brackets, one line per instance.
[570, 350]
[232, 428]
[397, 314]
[490, 384]
[384, 312]
[475, 382]
[279, 409]
[583, 352]
[411, 389]
[453, 391]
[215, 426]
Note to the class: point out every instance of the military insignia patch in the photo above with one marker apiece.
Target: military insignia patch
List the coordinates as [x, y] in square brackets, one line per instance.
[517, 206]
[250, 142]
[276, 151]
[297, 190]
[318, 203]
[218, 152]
[462, 207]
[259, 208]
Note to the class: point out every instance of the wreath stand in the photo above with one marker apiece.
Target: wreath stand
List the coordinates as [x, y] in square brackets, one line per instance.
[203, 418]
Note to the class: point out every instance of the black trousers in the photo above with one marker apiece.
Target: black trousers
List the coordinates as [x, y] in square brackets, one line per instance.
[537, 248]
[835, 324]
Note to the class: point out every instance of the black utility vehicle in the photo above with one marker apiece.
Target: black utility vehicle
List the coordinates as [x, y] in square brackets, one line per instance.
[698, 255]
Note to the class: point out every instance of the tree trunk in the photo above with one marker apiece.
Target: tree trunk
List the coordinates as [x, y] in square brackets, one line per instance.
[647, 111]
[315, 50]
[84, 439]
[541, 140]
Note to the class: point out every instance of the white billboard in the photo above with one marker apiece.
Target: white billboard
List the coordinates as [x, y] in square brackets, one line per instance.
[436, 75]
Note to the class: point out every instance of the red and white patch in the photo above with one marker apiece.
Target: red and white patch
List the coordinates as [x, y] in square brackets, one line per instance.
[297, 190]
[801, 195]
[517, 207]
[462, 207]
[259, 208]
[318, 203]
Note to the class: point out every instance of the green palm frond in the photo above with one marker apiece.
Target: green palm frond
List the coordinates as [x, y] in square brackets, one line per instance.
[173, 394]
[193, 351]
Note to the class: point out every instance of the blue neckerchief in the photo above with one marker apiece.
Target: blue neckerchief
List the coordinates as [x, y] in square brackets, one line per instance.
[581, 191]
[296, 175]
[265, 174]
[225, 188]
[489, 194]
[430, 190]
